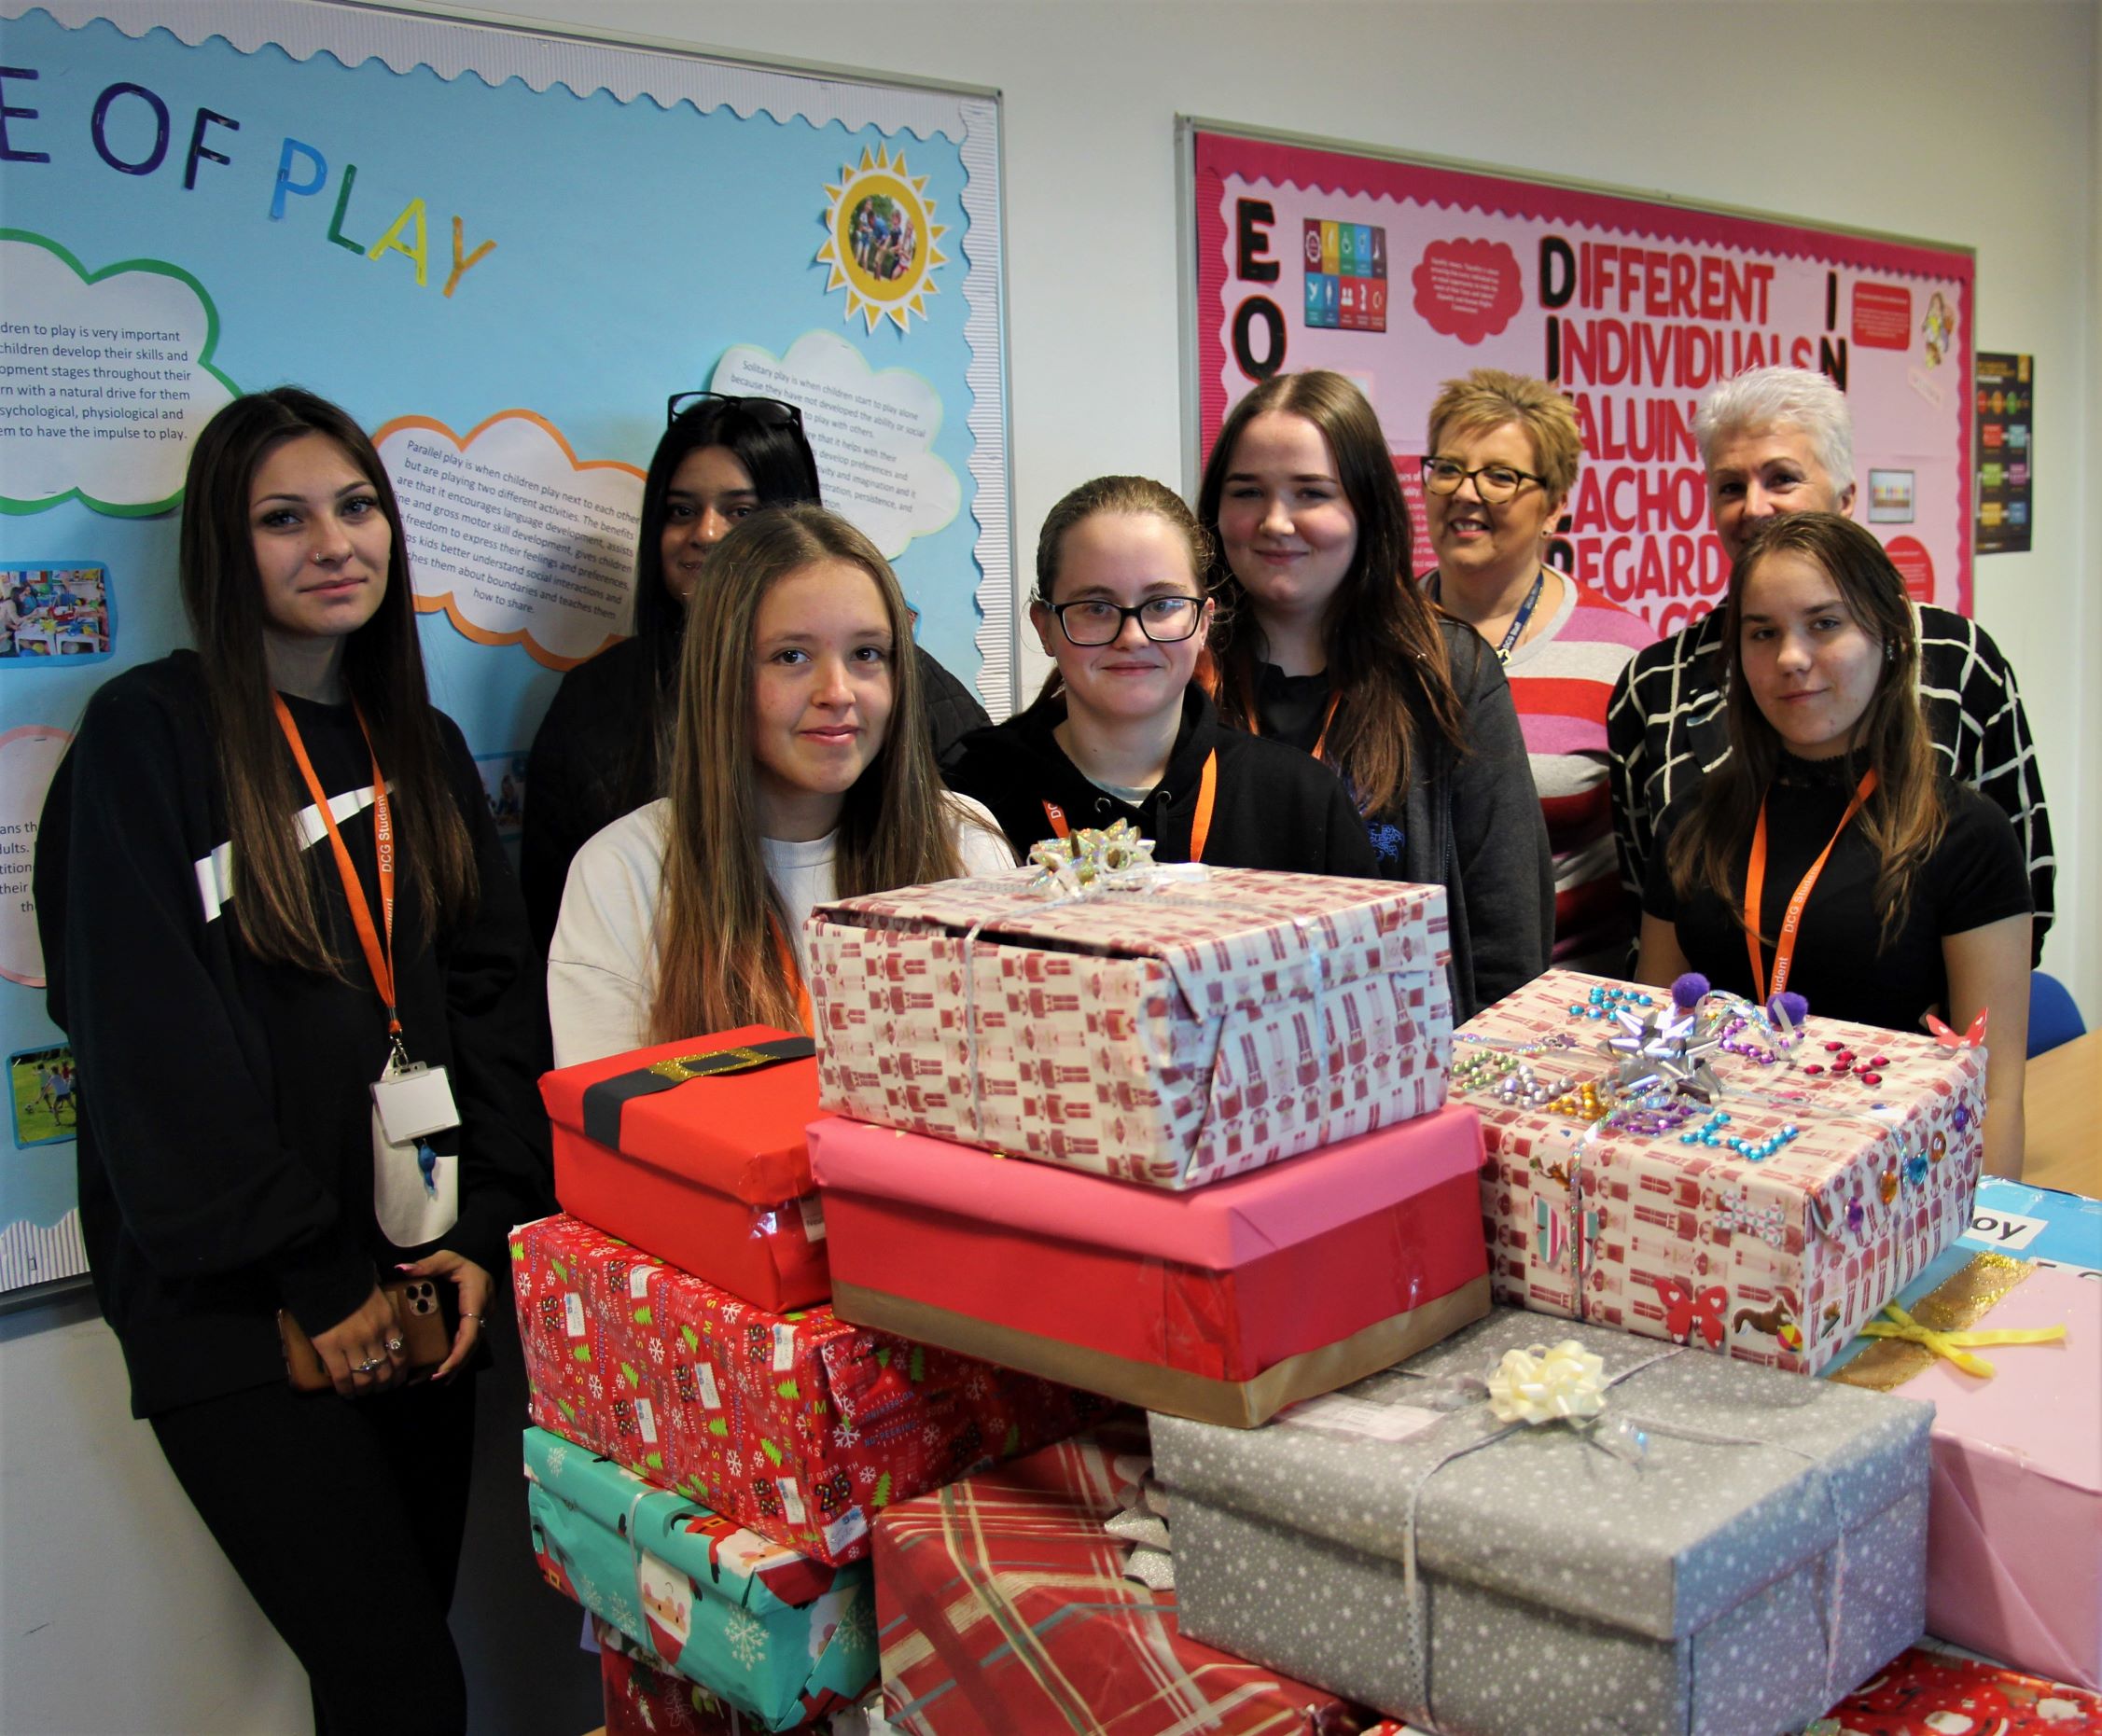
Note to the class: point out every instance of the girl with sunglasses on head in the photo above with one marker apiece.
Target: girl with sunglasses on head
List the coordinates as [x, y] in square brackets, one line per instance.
[1122, 731]
[601, 751]
[267, 876]
[800, 770]
[1327, 646]
[1833, 823]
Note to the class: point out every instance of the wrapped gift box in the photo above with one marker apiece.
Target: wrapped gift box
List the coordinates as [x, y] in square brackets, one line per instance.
[771, 1632]
[1206, 1023]
[694, 1152]
[642, 1698]
[1924, 1691]
[1778, 1256]
[2038, 1224]
[797, 1425]
[1763, 1555]
[1224, 1303]
[1003, 1607]
[2015, 1532]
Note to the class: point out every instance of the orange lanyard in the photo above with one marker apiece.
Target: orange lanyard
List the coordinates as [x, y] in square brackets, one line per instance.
[1755, 888]
[793, 975]
[378, 956]
[1199, 823]
[1321, 741]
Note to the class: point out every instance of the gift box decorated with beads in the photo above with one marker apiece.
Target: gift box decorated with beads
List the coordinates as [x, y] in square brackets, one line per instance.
[1193, 1024]
[770, 1633]
[796, 1425]
[1761, 1191]
[1609, 1535]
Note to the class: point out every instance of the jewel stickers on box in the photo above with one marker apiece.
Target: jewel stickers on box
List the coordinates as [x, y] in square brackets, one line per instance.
[1715, 1174]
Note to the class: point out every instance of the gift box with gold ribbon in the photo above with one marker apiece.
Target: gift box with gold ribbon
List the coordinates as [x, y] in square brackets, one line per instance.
[2010, 1357]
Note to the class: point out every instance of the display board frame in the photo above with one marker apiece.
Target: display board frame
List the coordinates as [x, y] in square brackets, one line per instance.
[1475, 195]
[919, 331]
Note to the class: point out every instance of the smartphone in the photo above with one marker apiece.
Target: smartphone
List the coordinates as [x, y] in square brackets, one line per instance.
[425, 1310]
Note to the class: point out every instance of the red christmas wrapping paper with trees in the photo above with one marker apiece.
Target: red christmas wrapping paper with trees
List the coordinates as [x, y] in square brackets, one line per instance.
[798, 1425]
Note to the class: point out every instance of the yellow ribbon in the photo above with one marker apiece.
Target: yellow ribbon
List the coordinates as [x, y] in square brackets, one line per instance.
[1957, 1346]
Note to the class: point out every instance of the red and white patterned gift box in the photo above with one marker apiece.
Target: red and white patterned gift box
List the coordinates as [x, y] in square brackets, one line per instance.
[1199, 1024]
[1775, 1250]
[796, 1425]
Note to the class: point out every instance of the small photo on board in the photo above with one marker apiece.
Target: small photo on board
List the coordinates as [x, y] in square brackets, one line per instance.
[1890, 497]
[55, 611]
[503, 781]
[45, 1095]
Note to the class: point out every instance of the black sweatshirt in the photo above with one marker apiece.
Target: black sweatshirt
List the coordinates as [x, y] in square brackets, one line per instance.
[1273, 806]
[225, 1142]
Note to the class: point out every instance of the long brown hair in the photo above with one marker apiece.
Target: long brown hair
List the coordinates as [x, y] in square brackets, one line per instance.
[720, 964]
[1904, 819]
[1386, 656]
[274, 904]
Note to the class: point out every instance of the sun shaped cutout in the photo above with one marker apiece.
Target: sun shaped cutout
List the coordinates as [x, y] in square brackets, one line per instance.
[880, 237]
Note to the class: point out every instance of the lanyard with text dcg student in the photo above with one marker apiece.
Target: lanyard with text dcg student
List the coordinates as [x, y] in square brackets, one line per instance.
[1200, 822]
[1755, 888]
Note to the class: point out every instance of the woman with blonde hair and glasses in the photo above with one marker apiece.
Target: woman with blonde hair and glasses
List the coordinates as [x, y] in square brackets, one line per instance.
[1497, 470]
[800, 770]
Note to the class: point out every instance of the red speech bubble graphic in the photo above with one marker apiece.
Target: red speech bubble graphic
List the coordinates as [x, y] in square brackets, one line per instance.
[1467, 289]
[1883, 315]
[1914, 566]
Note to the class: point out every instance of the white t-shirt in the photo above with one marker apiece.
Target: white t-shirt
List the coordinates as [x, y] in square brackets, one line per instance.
[602, 963]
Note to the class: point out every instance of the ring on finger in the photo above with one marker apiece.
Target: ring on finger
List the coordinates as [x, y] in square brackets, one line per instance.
[466, 1315]
[394, 1345]
[367, 1368]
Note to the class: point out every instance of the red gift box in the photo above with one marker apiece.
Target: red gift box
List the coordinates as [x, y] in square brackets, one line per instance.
[1925, 1692]
[1222, 1304]
[1002, 1608]
[797, 1424]
[644, 1699]
[694, 1151]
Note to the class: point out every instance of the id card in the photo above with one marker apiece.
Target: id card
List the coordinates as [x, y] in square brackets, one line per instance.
[414, 1102]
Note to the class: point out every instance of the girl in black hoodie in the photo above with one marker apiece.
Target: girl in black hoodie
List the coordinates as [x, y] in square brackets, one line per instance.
[1124, 731]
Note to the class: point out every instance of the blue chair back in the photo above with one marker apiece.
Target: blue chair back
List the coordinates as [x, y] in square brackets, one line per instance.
[2054, 1017]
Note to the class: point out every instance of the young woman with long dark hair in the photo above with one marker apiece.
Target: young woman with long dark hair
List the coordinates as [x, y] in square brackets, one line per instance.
[268, 886]
[1880, 889]
[800, 772]
[1325, 643]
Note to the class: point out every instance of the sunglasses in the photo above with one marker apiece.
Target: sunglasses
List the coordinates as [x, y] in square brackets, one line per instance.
[769, 412]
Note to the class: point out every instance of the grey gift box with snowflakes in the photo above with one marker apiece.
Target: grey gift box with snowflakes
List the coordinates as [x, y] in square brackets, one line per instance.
[1725, 1548]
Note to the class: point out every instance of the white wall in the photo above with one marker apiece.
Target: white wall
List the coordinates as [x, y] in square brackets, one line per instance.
[1977, 123]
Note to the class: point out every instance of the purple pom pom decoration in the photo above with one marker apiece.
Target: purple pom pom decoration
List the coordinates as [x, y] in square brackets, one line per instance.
[1687, 990]
[1791, 1004]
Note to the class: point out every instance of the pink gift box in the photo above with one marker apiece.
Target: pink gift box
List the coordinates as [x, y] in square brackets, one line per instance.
[1778, 1259]
[1211, 1022]
[2014, 1519]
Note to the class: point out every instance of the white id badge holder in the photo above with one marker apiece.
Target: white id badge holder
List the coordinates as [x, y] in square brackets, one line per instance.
[415, 1187]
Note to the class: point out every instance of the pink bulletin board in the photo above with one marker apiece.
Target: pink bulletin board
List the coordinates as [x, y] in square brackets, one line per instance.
[1404, 272]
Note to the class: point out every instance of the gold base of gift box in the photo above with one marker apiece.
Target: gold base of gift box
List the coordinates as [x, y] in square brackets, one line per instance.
[1231, 1403]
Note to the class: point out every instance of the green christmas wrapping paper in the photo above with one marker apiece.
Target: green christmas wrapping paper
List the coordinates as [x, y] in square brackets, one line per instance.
[779, 1637]
[1706, 1546]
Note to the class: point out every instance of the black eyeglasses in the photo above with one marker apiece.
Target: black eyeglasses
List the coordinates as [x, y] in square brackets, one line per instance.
[1494, 483]
[769, 412]
[1096, 620]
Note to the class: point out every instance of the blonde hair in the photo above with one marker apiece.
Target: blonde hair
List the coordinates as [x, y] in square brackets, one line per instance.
[1488, 398]
[724, 950]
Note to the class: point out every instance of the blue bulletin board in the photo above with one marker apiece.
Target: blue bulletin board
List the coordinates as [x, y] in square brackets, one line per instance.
[501, 249]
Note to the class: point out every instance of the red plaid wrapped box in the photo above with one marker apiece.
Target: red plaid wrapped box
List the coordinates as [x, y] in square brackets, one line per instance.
[797, 1425]
[1204, 1022]
[1001, 1607]
[1771, 1224]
